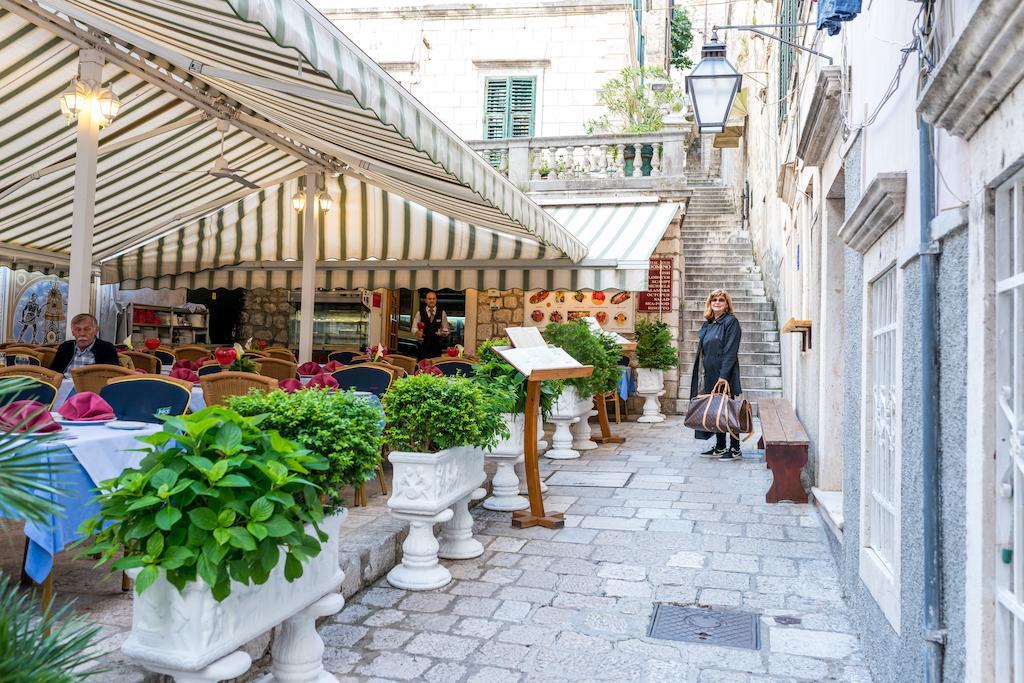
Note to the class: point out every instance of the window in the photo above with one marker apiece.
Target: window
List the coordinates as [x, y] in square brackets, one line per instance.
[1009, 564]
[509, 105]
[880, 488]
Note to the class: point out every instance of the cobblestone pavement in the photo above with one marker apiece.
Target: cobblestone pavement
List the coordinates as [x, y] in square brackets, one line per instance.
[646, 521]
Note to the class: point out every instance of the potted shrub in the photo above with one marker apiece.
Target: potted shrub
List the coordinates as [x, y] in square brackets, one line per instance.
[576, 399]
[507, 386]
[225, 538]
[654, 354]
[336, 425]
[439, 427]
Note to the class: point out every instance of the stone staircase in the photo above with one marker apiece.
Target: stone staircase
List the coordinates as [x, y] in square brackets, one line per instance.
[719, 255]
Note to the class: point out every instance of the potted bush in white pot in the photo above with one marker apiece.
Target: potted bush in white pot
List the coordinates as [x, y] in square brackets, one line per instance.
[226, 537]
[439, 427]
[655, 354]
[507, 386]
[575, 402]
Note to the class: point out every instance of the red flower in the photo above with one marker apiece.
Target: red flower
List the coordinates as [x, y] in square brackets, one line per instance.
[225, 356]
[262, 344]
[152, 343]
[453, 352]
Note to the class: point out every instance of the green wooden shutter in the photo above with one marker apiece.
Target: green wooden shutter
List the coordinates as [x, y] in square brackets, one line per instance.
[787, 55]
[495, 108]
[521, 107]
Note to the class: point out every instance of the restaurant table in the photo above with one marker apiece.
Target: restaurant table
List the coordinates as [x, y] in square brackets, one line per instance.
[86, 455]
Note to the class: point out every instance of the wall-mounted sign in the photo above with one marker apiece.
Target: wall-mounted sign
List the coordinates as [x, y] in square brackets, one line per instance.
[38, 308]
[613, 310]
[658, 297]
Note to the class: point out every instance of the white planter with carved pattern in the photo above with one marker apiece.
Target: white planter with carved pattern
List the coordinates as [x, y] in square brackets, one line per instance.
[651, 385]
[506, 454]
[429, 488]
[564, 414]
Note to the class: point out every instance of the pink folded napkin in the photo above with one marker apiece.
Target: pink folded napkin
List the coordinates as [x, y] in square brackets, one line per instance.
[86, 406]
[184, 373]
[309, 368]
[289, 385]
[34, 413]
[322, 380]
[333, 366]
[185, 364]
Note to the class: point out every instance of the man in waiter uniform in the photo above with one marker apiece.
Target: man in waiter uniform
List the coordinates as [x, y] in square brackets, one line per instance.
[431, 325]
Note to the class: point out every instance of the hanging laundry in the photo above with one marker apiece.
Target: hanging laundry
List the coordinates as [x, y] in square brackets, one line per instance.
[831, 14]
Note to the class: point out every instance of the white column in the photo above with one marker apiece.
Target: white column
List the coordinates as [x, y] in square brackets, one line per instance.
[309, 252]
[90, 70]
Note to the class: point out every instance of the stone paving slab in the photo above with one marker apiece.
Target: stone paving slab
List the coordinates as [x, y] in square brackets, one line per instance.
[574, 604]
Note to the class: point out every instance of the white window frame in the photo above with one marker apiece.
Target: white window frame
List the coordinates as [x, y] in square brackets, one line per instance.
[880, 574]
[1009, 475]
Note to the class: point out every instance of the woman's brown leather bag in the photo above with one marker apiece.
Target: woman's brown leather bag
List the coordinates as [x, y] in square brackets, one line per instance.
[719, 413]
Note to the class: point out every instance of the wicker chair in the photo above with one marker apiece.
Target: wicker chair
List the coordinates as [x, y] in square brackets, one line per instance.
[144, 361]
[347, 357]
[407, 363]
[46, 355]
[18, 348]
[31, 389]
[397, 370]
[375, 379]
[450, 367]
[191, 352]
[51, 377]
[95, 377]
[279, 352]
[165, 355]
[276, 368]
[143, 397]
[20, 355]
[125, 362]
[218, 386]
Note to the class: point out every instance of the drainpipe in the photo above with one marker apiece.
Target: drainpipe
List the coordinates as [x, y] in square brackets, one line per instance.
[935, 634]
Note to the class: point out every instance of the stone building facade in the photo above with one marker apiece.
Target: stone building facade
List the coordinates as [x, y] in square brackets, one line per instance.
[266, 315]
[841, 175]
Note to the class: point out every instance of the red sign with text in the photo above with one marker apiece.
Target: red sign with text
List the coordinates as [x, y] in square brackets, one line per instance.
[658, 297]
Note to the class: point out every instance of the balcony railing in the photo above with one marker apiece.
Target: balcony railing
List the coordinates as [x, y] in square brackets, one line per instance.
[589, 161]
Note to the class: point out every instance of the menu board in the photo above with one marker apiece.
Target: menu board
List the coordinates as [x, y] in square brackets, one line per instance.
[658, 297]
[531, 358]
[612, 310]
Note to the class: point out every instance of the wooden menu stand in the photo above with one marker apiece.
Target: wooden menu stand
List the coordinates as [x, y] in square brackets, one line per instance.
[602, 408]
[535, 515]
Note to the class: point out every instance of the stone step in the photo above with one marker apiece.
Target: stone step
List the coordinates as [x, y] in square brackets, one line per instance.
[694, 325]
[698, 269]
[724, 276]
[692, 291]
[745, 347]
[696, 305]
[751, 335]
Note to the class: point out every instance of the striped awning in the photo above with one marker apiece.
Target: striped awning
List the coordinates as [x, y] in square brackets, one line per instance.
[372, 238]
[295, 91]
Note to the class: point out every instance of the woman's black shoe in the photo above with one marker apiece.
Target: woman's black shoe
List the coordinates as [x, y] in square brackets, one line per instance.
[714, 452]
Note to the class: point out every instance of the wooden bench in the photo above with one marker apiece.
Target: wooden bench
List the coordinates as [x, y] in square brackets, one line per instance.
[785, 449]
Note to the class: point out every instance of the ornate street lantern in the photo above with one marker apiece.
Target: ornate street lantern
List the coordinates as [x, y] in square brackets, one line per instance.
[299, 201]
[712, 86]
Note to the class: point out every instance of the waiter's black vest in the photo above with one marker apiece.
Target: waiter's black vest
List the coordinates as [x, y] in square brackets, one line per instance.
[430, 346]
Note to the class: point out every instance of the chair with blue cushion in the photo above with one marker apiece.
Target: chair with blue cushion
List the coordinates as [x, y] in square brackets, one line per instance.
[19, 357]
[29, 389]
[165, 356]
[208, 369]
[347, 357]
[454, 366]
[373, 379]
[143, 398]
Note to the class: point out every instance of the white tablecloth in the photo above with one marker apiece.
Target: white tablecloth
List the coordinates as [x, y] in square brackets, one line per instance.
[198, 401]
[67, 387]
[104, 452]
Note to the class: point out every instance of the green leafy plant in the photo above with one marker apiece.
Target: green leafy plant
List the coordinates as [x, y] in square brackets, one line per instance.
[681, 39]
[506, 384]
[216, 498]
[337, 425]
[600, 351]
[243, 364]
[654, 348]
[428, 413]
[632, 106]
[51, 647]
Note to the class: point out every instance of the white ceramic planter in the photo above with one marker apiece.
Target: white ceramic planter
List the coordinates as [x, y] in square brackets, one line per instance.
[564, 414]
[505, 483]
[193, 638]
[581, 434]
[429, 488]
[651, 385]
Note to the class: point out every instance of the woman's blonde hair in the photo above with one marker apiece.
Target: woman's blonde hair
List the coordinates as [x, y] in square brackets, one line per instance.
[708, 313]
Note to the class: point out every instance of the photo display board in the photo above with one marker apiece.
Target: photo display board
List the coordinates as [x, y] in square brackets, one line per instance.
[614, 311]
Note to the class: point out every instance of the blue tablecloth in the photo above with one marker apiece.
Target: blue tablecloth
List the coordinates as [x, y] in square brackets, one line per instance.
[627, 382]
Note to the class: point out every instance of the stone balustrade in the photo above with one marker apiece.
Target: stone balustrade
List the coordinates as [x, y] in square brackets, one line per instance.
[586, 161]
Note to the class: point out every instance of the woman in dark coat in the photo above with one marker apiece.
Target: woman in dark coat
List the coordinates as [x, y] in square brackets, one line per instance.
[718, 357]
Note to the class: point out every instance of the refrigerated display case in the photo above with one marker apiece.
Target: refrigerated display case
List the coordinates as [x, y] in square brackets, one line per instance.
[340, 320]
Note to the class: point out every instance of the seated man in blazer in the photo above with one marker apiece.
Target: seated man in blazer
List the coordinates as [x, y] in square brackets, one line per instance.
[85, 349]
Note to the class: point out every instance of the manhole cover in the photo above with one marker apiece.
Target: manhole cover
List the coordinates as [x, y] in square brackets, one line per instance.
[704, 625]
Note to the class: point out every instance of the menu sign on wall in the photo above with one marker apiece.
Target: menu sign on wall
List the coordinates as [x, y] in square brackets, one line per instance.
[658, 297]
[612, 310]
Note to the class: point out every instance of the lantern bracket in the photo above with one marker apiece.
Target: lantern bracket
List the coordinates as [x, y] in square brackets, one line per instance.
[757, 29]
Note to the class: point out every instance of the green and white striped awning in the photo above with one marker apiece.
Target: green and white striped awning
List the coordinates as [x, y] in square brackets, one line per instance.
[295, 90]
[371, 238]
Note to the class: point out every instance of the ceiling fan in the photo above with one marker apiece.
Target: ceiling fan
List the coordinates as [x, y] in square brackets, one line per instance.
[221, 168]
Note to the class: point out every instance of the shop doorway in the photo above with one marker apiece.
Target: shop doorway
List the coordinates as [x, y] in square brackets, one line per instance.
[225, 307]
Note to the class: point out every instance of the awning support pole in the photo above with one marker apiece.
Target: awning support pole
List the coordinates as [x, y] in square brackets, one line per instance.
[310, 248]
[90, 70]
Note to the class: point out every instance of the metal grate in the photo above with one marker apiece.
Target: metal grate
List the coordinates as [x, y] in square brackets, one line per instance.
[706, 625]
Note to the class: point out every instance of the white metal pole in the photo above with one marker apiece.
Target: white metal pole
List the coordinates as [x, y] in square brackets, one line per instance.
[90, 70]
[309, 254]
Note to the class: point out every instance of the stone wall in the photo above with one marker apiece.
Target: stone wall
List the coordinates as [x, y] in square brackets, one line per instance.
[496, 310]
[266, 315]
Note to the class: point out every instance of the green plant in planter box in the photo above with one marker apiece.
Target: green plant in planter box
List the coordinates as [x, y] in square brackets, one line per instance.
[497, 376]
[576, 339]
[654, 348]
[216, 499]
[337, 425]
[428, 413]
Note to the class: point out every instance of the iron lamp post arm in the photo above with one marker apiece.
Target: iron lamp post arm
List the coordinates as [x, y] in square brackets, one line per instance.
[758, 31]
